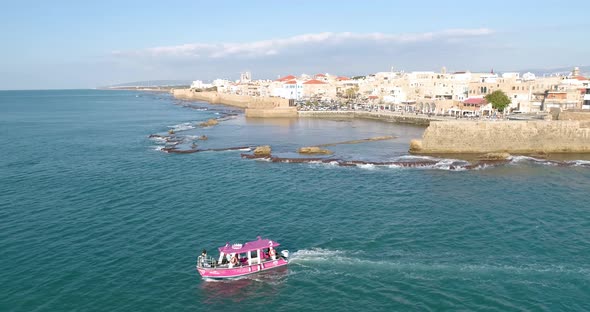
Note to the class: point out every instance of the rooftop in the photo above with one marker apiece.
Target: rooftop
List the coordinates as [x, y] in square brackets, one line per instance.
[249, 246]
[313, 81]
[289, 77]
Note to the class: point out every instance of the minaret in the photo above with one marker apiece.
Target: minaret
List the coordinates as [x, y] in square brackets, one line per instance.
[576, 71]
[443, 70]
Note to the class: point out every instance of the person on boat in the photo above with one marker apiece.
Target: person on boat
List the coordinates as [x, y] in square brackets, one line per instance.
[272, 253]
[203, 257]
[234, 260]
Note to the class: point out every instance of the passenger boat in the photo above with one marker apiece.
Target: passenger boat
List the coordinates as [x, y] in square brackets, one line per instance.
[242, 259]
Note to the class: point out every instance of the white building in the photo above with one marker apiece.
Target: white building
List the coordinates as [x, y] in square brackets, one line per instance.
[528, 76]
[396, 96]
[290, 89]
[198, 84]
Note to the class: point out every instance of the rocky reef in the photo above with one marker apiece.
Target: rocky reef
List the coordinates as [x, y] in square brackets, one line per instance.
[262, 151]
[314, 150]
[209, 123]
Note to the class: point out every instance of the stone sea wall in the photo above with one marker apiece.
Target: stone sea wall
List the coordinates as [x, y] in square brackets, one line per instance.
[211, 97]
[517, 137]
[254, 106]
[574, 115]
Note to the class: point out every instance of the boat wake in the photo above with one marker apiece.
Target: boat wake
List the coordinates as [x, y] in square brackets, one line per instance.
[317, 258]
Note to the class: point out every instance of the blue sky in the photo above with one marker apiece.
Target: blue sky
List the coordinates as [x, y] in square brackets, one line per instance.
[80, 44]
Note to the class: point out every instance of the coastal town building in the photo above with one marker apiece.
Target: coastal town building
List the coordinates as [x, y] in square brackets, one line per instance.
[460, 93]
[198, 84]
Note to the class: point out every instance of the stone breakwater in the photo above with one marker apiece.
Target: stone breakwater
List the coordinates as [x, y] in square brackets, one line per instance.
[432, 163]
[384, 116]
[264, 107]
[514, 137]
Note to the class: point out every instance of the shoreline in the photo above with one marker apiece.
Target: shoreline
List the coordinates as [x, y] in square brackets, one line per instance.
[278, 107]
[442, 135]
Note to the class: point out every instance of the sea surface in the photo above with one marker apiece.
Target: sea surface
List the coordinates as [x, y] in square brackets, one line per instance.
[95, 216]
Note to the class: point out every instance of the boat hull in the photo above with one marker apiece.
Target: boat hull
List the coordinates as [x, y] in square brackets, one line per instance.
[221, 273]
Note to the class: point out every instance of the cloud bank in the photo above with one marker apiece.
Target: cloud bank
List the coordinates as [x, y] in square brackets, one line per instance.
[302, 44]
[342, 53]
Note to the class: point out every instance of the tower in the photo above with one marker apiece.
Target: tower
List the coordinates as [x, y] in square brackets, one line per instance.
[576, 72]
[245, 77]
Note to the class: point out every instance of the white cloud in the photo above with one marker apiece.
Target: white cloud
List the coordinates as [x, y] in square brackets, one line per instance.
[273, 47]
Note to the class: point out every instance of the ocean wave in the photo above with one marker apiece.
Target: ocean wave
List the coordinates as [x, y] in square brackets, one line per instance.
[516, 159]
[415, 157]
[366, 166]
[579, 163]
[182, 127]
[158, 139]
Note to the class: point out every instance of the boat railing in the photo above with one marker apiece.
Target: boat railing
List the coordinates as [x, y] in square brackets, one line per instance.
[205, 262]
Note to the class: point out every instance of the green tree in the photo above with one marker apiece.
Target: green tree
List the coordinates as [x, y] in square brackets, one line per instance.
[351, 92]
[499, 100]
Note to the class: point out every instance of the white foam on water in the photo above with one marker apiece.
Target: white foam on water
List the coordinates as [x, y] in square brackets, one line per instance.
[245, 149]
[182, 127]
[341, 259]
[516, 159]
[158, 139]
[159, 147]
[577, 163]
[482, 167]
[315, 254]
[416, 157]
[366, 166]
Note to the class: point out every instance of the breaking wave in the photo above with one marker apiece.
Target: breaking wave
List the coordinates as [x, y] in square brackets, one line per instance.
[182, 126]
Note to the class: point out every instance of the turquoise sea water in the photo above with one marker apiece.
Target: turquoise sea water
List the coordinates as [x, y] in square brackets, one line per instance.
[95, 218]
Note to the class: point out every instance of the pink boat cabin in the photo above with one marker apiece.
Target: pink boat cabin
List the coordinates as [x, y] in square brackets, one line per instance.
[242, 259]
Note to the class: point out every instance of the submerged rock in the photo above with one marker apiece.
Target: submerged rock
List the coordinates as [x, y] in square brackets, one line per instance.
[378, 138]
[209, 123]
[262, 151]
[203, 138]
[494, 156]
[314, 150]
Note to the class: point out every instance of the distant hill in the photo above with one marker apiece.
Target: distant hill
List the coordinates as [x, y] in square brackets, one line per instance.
[151, 84]
[584, 71]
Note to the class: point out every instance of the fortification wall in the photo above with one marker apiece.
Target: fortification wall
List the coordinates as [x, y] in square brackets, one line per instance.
[518, 137]
[574, 115]
[255, 106]
[281, 112]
